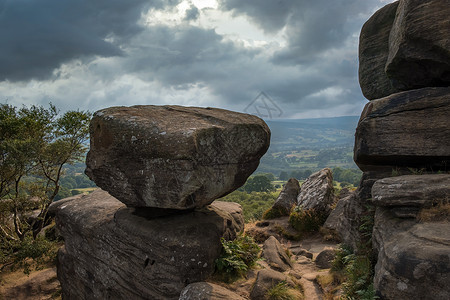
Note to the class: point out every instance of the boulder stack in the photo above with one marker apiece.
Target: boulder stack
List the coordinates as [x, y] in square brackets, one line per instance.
[152, 230]
[405, 130]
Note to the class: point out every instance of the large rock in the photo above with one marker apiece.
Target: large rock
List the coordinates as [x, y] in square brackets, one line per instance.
[317, 192]
[173, 157]
[287, 197]
[419, 47]
[207, 291]
[373, 53]
[413, 258]
[408, 129]
[412, 190]
[115, 252]
[275, 255]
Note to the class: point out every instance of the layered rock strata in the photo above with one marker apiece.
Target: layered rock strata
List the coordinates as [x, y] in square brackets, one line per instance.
[405, 129]
[115, 252]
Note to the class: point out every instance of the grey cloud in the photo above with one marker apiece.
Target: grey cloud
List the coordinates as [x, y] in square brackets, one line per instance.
[38, 36]
[192, 13]
[311, 27]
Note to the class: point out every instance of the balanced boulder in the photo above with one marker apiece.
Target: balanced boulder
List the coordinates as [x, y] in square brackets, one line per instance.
[173, 157]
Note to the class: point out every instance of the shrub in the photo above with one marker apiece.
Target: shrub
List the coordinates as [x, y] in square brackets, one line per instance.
[305, 221]
[274, 212]
[356, 273]
[236, 257]
[282, 291]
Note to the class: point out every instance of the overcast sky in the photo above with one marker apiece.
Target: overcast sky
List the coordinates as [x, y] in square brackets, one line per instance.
[88, 55]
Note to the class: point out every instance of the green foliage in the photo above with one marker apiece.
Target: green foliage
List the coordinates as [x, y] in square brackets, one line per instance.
[283, 176]
[282, 291]
[356, 273]
[28, 254]
[273, 213]
[258, 183]
[253, 204]
[35, 144]
[305, 221]
[347, 176]
[237, 257]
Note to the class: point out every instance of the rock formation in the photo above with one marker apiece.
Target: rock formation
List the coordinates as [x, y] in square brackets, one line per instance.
[404, 129]
[171, 156]
[151, 231]
[275, 255]
[317, 192]
[287, 197]
[413, 242]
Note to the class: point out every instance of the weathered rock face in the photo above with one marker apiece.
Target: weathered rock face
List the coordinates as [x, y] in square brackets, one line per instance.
[419, 48]
[287, 197]
[413, 258]
[207, 291]
[115, 252]
[400, 132]
[173, 157]
[373, 53]
[317, 192]
[408, 129]
[412, 190]
[344, 220]
[275, 255]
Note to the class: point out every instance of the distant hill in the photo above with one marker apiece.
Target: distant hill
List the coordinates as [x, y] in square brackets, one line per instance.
[310, 144]
[312, 133]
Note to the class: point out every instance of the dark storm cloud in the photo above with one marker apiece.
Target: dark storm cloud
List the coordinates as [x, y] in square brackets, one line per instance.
[38, 36]
[311, 27]
[184, 55]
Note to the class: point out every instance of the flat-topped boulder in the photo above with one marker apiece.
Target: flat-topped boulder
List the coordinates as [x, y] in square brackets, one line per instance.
[173, 157]
[407, 129]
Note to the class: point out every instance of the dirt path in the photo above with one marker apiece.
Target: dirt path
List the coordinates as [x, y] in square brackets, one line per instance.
[39, 285]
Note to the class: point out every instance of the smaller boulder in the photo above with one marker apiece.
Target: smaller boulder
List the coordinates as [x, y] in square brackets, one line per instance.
[207, 291]
[317, 192]
[325, 258]
[265, 280]
[276, 255]
[287, 197]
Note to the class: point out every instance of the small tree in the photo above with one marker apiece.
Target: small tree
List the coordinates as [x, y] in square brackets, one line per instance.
[258, 183]
[35, 145]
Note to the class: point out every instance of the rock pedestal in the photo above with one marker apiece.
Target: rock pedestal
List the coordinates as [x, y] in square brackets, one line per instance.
[115, 252]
